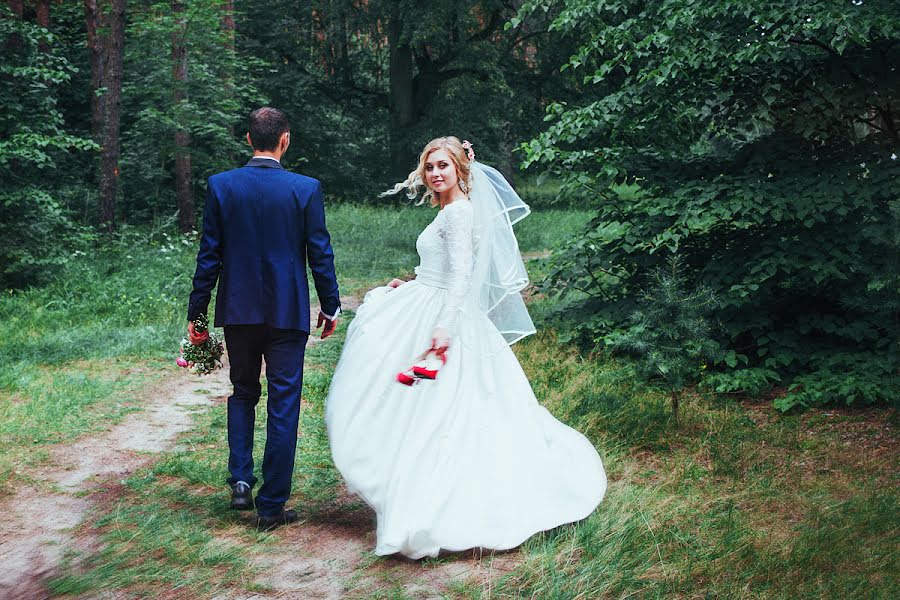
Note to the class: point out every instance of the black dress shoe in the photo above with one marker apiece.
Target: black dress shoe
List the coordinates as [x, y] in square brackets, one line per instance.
[241, 498]
[273, 521]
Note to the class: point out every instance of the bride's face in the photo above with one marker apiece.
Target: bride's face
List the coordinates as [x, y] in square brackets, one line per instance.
[440, 172]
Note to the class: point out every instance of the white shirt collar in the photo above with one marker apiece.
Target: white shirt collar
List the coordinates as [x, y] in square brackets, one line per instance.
[269, 158]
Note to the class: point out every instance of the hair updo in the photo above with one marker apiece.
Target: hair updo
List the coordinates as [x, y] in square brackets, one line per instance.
[416, 179]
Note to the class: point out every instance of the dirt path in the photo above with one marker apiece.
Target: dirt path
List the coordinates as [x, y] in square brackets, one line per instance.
[333, 560]
[35, 533]
[308, 560]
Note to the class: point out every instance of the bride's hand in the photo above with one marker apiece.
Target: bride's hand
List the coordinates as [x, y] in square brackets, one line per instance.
[395, 283]
[440, 339]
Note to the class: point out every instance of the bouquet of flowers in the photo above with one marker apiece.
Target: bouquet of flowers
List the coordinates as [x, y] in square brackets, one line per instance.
[205, 357]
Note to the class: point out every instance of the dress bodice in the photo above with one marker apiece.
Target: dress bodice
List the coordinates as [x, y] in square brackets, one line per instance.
[445, 257]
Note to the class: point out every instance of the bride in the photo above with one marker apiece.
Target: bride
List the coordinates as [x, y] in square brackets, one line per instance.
[468, 459]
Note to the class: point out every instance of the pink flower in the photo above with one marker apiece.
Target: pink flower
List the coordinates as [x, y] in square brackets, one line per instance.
[467, 145]
[181, 362]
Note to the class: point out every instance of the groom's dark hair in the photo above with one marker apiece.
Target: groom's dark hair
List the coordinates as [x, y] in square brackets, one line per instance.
[266, 126]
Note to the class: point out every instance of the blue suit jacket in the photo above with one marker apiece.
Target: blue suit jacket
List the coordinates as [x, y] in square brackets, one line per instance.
[261, 224]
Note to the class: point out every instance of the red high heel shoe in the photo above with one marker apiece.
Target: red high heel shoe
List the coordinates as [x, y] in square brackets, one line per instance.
[407, 378]
[421, 370]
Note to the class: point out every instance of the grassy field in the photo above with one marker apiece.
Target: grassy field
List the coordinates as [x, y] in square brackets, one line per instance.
[735, 501]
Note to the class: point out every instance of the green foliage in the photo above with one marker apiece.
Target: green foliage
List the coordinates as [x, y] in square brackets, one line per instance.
[338, 117]
[330, 70]
[36, 233]
[859, 378]
[670, 331]
[326, 63]
[218, 93]
[759, 141]
[685, 72]
[750, 380]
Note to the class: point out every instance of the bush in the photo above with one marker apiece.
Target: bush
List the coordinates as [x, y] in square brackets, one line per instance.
[763, 150]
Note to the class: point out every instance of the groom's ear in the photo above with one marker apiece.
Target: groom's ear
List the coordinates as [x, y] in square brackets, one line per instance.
[249, 141]
[286, 140]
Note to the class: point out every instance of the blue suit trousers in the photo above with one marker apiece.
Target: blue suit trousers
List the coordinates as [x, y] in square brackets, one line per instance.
[283, 350]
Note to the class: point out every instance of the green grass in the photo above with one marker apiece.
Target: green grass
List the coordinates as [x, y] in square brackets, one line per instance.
[76, 354]
[736, 501]
[49, 405]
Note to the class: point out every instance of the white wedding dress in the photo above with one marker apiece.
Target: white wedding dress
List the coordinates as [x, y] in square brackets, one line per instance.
[467, 460]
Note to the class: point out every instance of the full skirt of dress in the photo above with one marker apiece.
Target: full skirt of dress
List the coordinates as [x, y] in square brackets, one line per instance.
[469, 460]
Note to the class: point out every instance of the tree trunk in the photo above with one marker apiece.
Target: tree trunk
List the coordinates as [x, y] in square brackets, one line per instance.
[14, 41]
[675, 405]
[183, 194]
[105, 20]
[410, 96]
[229, 29]
[109, 158]
[400, 98]
[95, 50]
[506, 160]
[890, 127]
[344, 61]
[42, 18]
[228, 23]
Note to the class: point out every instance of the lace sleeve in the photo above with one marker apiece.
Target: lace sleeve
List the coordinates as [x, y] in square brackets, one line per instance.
[458, 241]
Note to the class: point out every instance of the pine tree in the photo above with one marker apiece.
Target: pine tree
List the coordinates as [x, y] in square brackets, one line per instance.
[671, 333]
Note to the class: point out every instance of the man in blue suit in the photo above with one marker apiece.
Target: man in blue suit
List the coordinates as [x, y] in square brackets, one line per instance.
[261, 225]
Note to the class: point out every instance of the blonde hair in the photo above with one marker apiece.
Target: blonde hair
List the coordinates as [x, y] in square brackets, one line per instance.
[416, 178]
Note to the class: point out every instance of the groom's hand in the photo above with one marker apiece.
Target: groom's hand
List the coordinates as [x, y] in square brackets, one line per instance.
[330, 325]
[194, 337]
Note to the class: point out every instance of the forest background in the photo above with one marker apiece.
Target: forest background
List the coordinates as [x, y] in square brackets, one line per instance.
[715, 228]
[756, 141]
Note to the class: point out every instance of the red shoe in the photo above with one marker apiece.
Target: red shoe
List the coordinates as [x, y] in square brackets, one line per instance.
[406, 379]
[421, 370]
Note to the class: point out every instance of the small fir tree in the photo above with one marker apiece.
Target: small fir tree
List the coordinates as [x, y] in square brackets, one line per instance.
[671, 333]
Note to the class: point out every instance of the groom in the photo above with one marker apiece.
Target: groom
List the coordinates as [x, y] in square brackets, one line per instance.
[260, 226]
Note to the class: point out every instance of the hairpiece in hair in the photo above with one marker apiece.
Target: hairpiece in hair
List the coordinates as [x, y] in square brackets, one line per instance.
[467, 145]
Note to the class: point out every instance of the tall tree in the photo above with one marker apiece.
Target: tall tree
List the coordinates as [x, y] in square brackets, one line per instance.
[42, 18]
[228, 23]
[105, 20]
[42, 13]
[17, 8]
[400, 92]
[229, 29]
[183, 194]
[429, 48]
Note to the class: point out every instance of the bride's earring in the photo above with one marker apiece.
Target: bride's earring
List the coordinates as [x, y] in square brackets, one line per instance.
[463, 187]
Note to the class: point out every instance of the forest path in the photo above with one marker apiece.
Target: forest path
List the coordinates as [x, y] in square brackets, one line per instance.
[37, 532]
